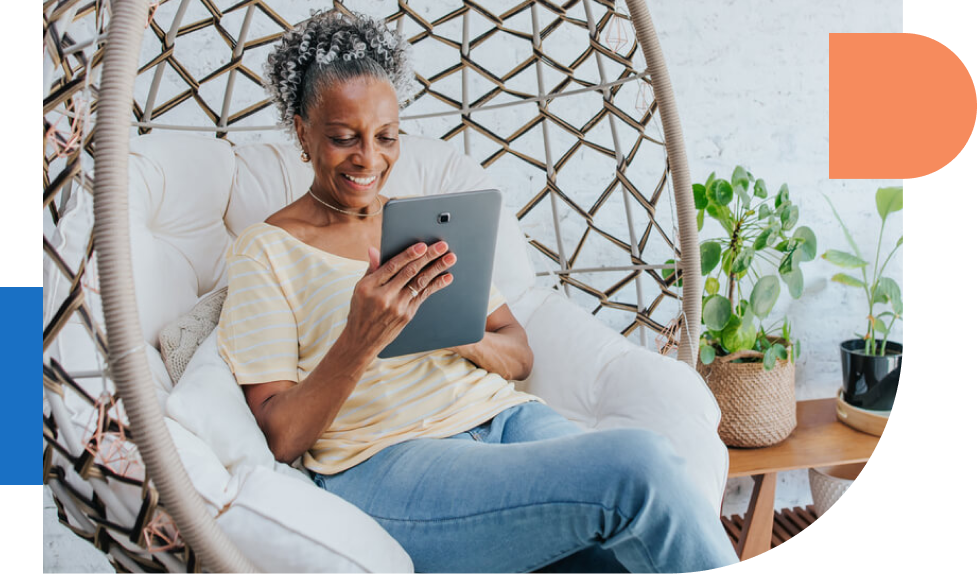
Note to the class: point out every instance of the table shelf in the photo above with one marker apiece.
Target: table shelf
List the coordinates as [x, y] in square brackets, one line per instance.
[819, 440]
[787, 523]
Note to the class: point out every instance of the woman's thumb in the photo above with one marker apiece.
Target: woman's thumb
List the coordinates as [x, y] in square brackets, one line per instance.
[374, 254]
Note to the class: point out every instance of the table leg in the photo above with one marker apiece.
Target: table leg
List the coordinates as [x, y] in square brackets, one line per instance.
[758, 523]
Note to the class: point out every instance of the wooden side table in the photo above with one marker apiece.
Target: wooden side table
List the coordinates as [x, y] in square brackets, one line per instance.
[819, 440]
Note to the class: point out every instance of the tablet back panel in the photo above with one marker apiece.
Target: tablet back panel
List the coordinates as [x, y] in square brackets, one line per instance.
[468, 222]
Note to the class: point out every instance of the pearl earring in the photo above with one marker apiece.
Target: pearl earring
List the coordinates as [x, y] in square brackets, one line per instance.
[305, 156]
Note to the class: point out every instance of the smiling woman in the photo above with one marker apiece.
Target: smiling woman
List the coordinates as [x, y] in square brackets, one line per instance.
[309, 308]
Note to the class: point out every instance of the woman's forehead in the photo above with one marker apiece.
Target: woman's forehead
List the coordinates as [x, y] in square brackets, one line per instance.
[355, 102]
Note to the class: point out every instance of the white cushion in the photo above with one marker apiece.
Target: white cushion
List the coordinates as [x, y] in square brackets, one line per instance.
[597, 378]
[570, 347]
[178, 341]
[210, 404]
[209, 477]
[179, 187]
[288, 525]
[644, 389]
[283, 523]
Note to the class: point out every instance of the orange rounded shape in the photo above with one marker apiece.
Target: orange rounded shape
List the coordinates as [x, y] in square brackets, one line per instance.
[900, 106]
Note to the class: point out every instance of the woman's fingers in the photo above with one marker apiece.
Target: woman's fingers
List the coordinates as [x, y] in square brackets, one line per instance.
[397, 263]
[439, 283]
[432, 271]
[414, 267]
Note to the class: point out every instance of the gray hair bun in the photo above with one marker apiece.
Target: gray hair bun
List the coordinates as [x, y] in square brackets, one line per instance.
[328, 38]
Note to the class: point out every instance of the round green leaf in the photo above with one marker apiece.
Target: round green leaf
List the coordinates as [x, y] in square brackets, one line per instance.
[809, 246]
[707, 354]
[741, 178]
[765, 294]
[790, 216]
[721, 192]
[763, 211]
[716, 312]
[769, 359]
[783, 196]
[700, 219]
[779, 350]
[712, 285]
[795, 282]
[710, 253]
[738, 335]
[742, 261]
[888, 200]
[760, 189]
[763, 238]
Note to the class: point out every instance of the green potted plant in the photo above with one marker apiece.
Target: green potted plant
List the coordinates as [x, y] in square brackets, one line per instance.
[745, 355]
[871, 363]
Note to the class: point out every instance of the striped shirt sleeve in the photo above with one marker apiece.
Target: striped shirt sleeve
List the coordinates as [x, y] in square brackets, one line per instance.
[496, 299]
[257, 335]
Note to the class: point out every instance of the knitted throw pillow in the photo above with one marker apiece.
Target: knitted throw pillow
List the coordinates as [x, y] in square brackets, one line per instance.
[178, 341]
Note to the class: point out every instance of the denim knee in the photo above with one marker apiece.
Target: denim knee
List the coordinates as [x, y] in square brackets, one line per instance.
[640, 465]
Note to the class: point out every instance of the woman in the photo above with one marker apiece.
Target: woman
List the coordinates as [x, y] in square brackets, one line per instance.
[465, 472]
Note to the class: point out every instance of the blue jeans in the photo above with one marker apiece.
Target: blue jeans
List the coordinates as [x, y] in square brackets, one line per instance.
[528, 490]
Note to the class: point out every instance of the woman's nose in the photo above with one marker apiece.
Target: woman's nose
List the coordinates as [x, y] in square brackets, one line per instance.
[368, 154]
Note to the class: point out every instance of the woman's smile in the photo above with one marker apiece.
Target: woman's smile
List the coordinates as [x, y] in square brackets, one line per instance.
[361, 182]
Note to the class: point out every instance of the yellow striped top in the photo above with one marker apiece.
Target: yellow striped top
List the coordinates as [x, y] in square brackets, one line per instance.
[287, 303]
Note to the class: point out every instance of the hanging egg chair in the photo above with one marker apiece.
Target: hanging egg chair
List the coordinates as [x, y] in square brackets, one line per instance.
[156, 121]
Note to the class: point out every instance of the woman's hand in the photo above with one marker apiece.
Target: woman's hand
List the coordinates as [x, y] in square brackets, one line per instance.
[504, 349]
[388, 296]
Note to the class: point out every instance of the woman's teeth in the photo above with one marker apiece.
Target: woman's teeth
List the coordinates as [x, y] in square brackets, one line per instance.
[360, 180]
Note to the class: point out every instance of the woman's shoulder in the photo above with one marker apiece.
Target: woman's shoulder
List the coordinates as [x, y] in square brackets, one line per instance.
[258, 239]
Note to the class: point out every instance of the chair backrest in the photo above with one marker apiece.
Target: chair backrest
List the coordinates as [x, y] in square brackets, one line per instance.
[191, 195]
[551, 98]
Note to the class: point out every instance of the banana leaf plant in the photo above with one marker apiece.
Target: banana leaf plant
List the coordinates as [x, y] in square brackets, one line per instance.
[761, 249]
[877, 288]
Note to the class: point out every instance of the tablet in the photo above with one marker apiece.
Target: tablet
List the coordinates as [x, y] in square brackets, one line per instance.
[469, 223]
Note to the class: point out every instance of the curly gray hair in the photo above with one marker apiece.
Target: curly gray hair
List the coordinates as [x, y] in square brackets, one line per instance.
[333, 47]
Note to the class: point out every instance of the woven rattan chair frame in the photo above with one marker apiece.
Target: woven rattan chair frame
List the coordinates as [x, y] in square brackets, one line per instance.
[77, 89]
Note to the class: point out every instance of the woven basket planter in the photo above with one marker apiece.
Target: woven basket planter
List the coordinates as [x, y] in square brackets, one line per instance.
[758, 406]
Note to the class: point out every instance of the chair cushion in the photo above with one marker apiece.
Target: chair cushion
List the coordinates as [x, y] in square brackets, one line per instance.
[288, 525]
[179, 340]
[179, 187]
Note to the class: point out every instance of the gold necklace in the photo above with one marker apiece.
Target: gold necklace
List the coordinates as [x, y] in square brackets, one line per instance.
[333, 207]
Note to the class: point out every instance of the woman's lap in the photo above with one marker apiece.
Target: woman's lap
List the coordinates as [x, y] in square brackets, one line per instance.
[517, 493]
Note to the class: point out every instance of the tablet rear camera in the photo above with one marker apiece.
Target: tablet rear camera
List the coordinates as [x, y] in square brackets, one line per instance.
[444, 217]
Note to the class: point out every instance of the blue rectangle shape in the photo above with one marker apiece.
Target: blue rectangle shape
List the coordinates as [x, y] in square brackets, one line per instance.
[20, 304]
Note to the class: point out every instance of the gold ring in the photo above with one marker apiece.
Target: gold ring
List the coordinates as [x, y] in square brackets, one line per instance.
[413, 292]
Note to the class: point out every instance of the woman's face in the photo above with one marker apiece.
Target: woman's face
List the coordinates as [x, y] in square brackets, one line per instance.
[352, 140]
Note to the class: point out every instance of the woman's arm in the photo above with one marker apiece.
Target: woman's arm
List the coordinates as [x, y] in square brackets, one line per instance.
[293, 416]
[504, 349]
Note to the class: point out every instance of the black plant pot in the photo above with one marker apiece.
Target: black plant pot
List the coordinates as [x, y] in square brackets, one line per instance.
[869, 381]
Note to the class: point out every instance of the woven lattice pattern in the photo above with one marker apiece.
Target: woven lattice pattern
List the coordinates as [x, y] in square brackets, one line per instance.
[549, 97]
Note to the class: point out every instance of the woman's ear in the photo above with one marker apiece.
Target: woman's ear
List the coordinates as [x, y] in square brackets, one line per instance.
[299, 130]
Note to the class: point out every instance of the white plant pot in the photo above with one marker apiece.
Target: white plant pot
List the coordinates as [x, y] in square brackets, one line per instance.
[830, 482]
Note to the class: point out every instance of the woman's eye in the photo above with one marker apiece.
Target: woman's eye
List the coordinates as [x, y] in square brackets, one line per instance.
[343, 141]
[387, 139]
